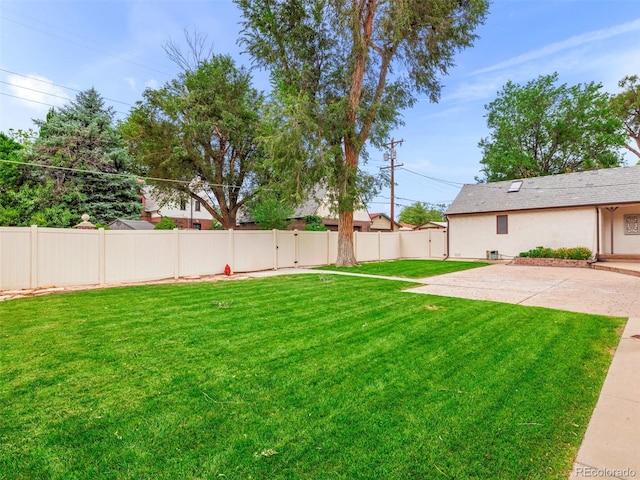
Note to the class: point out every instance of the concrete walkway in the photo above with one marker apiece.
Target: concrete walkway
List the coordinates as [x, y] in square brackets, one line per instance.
[611, 446]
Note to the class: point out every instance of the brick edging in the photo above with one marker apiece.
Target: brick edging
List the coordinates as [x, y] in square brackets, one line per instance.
[551, 262]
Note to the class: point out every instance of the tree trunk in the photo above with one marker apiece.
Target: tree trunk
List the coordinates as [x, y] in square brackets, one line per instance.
[346, 250]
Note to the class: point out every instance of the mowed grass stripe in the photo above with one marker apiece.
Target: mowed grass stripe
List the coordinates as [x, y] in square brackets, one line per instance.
[407, 268]
[306, 376]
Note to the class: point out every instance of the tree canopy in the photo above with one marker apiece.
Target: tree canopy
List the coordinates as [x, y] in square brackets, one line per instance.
[626, 105]
[541, 128]
[76, 165]
[419, 213]
[199, 132]
[270, 212]
[344, 71]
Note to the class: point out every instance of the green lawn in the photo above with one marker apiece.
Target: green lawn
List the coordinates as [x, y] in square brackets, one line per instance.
[408, 268]
[293, 377]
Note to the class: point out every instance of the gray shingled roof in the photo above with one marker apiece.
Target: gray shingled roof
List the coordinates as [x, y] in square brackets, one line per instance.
[610, 186]
[131, 225]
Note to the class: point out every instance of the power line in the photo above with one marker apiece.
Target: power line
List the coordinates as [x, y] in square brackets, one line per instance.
[125, 175]
[86, 46]
[5, 10]
[446, 182]
[27, 99]
[43, 103]
[54, 85]
[34, 90]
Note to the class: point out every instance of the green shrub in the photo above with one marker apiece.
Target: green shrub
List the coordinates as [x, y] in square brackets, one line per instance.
[580, 253]
[314, 224]
[576, 253]
[165, 224]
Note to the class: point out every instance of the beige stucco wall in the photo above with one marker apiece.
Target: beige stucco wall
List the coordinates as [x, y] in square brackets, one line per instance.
[470, 236]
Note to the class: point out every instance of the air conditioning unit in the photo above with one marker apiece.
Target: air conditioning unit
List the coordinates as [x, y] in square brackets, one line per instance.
[493, 255]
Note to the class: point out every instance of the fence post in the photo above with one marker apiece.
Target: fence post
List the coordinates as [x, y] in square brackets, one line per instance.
[231, 250]
[176, 254]
[355, 244]
[101, 256]
[275, 249]
[328, 247]
[34, 257]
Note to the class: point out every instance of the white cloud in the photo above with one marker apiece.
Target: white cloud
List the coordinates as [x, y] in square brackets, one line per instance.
[132, 82]
[37, 93]
[152, 84]
[570, 43]
[599, 56]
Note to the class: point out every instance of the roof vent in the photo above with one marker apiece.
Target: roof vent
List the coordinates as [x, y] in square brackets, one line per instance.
[515, 186]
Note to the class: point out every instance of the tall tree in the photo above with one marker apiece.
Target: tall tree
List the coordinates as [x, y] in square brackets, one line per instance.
[24, 198]
[420, 213]
[86, 160]
[626, 105]
[346, 69]
[542, 129]
[199, 131]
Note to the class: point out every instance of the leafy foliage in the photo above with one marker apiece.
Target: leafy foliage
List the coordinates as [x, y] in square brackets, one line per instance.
[575, 253]
[86, 165]
[200, 129]
[165, 223]
[313, 223]
[626, 105]
[543, 129]
[24, 199]
[270, 212]
[344, 71]
[420, 213]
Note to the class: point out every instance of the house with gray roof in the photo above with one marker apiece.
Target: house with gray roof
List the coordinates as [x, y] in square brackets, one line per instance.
[121, 224]
[597, 209]
[318, 203]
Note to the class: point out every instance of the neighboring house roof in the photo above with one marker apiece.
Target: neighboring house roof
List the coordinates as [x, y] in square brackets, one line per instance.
[433, 225]
[317, 203]
[311, 204]
[373, 216]
[131, 225]
[590, 188]
[407, 226]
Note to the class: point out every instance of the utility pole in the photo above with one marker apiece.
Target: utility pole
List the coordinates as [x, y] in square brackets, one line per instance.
[391, 156]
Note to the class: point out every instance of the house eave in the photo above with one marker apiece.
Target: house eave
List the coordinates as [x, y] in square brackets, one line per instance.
[555, 207]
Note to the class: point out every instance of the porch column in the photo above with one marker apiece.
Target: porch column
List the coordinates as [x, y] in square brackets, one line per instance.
[611, 210]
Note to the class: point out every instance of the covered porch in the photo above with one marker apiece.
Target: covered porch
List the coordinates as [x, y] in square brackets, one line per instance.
[618, 233]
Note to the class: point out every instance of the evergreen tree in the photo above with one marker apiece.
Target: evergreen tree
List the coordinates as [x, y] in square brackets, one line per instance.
[86, 161]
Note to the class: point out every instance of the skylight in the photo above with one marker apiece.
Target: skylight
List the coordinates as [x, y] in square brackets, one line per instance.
[515, 186]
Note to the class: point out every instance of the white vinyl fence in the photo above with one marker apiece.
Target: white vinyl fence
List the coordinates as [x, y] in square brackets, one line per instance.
[33, 257]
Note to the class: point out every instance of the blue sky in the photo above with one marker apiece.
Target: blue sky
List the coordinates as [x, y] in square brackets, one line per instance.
[51, 49]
